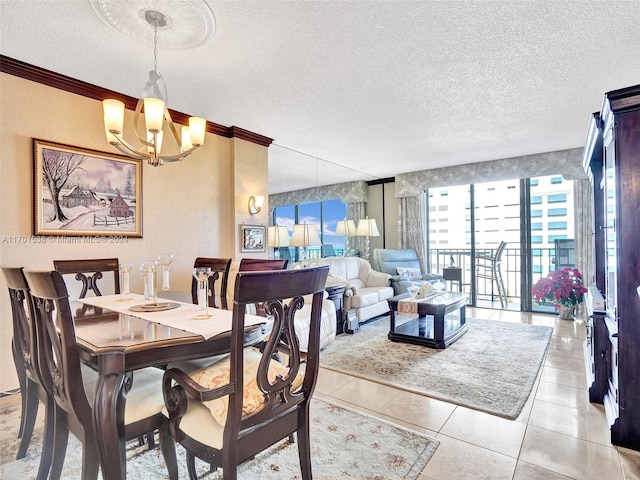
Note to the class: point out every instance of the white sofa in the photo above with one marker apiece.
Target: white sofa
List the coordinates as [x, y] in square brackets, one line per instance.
[367, 290]
[328, 324]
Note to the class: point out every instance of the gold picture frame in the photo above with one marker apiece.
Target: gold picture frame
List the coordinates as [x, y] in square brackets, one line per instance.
[82, 192]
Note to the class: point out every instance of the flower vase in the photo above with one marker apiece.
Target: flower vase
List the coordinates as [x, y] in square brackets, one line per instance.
[566, 313]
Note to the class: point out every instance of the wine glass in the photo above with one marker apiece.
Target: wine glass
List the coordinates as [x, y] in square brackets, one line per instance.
[202, 274]
[125, 289]
[164, 261]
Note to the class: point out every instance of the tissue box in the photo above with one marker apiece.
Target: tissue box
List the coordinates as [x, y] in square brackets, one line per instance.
[425, 289]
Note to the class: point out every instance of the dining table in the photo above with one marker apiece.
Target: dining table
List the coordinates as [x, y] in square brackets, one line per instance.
[118, 335]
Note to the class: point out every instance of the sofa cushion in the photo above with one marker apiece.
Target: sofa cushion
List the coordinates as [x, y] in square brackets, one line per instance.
[409, 271]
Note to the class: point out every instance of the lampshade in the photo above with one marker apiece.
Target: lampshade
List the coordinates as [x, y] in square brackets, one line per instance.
[346, 228]
[367, 227]
[305, 235]
[277, 237]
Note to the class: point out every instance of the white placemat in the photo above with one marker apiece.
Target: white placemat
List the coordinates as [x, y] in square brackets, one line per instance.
[182, 317]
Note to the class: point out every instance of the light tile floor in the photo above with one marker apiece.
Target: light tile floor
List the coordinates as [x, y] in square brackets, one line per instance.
[558, 435]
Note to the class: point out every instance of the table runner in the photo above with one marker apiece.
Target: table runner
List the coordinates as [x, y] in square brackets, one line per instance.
[410, 305]
[181, 317]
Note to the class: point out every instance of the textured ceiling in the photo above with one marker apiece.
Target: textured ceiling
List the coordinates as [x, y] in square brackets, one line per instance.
[374, 88]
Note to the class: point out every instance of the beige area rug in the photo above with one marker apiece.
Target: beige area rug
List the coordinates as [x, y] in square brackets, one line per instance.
[491, 368]
[344, 444]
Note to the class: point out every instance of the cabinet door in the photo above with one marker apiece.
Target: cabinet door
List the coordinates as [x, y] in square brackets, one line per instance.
[610, 213]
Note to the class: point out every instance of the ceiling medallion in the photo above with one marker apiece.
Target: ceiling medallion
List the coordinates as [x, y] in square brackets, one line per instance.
[188, 23]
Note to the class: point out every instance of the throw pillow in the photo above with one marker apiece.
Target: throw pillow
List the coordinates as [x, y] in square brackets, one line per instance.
[409, 272]
[217, 374]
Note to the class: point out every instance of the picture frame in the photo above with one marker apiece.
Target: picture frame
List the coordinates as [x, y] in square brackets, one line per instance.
[83, 192]
[253, 238]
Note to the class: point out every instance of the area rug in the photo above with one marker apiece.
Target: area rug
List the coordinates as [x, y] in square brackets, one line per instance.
[344, 444]
[491, 368]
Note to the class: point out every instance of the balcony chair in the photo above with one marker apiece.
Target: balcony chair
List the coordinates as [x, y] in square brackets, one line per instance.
[72, 388]
[227, 430]
[25, 357]
[488, 267]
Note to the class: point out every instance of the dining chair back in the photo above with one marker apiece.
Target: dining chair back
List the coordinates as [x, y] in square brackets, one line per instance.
[489, 267]
[72, 388]
[262, 264]
[23, 347]
[229, 429]
[89, 272]
[220, 268]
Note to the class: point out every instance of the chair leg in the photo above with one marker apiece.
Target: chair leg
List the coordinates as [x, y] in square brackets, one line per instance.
[501, 290]
[168, 449]
[29, 414]
[304, 446]
[191, 466]
[60, 439]
[47, 441]
[90, 462]
[22, 381]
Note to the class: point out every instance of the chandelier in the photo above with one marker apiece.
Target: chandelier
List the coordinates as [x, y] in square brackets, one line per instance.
[156, 113]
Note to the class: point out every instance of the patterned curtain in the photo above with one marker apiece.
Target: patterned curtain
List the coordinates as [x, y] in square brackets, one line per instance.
[356, 211]
[584, 229]
[411, 225]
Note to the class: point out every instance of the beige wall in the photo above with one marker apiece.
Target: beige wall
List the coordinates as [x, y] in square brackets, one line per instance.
[190, 208]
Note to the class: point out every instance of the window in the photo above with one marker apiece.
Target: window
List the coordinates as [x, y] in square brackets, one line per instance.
[553, 238]
[536, 200]
[557, 225]
[556, 180]
[324, 215]
[536, 213]
[536, 238]
[557, 212]
[533, 182]
[557, 198]
[536, 226]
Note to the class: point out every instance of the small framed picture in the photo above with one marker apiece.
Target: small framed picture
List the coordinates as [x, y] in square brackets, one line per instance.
[85, 192]
[253, 238]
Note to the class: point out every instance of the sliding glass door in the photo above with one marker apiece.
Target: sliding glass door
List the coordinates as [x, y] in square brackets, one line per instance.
[534, 217]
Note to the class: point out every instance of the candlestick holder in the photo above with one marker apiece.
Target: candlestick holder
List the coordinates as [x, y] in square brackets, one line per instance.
[125, 289]
[202, 274]
[163, 262]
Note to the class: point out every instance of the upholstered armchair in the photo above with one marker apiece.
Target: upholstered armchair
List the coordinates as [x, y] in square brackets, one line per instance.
[404, 268]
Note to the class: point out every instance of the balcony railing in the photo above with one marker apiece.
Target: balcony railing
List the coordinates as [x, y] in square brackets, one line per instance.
[543, 261]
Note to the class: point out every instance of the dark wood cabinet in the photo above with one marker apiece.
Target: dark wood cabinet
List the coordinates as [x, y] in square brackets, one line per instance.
[612, 157]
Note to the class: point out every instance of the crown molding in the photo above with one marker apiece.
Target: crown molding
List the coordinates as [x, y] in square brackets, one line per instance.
[52, 79]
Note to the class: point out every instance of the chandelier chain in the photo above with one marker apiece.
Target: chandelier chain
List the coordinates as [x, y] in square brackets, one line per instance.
[155, 46]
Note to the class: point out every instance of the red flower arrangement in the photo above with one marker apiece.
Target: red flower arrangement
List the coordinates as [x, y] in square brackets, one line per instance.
[561, 287]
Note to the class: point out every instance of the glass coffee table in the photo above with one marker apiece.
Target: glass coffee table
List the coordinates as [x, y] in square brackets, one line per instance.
[435, 321]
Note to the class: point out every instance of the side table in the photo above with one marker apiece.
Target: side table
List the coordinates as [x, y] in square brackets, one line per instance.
[453, 274]
[336, 294]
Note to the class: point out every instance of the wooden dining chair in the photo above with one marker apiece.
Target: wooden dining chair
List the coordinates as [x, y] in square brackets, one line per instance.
[220, 268]
[228, 431]
[72, 388]
[262, 264]
[89, 272]
[23, 346]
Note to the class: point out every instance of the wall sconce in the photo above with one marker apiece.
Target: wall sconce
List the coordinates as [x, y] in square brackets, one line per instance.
[255, 204]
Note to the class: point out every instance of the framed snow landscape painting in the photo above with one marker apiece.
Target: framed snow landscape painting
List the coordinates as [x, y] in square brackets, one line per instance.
[81, 192]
